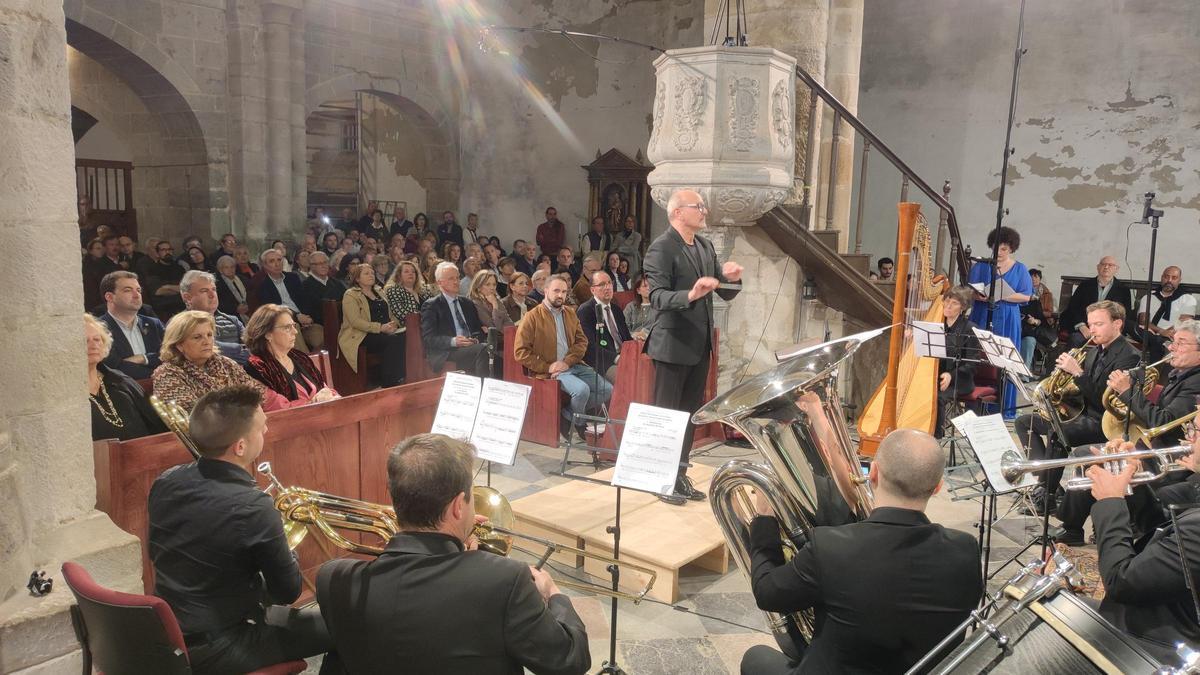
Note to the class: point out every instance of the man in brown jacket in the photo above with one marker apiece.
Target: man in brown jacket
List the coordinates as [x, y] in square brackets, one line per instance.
[550, 343]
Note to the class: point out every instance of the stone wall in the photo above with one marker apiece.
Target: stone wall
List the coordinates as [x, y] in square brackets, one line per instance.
[1108, 106]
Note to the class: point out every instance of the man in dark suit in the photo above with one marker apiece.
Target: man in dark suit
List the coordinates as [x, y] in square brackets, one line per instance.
[1104, 286]
[885, 590]
[450, 327]
[432, 603]
[1111, 352]
[604, 326]
[1177, 398]
[285, 288]
[449, 230]
[320, 286]
[1146, 591]
[683, 270]
[136, 338]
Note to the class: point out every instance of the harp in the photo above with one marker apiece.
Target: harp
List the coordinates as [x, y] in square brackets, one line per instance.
[907, 398]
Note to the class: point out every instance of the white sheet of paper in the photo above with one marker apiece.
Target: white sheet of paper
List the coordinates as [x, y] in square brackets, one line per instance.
[1001, 352]
[499, 420]
[1003, 291]
[458, 406]
[930, 337]
[989, 440]
[648, 458]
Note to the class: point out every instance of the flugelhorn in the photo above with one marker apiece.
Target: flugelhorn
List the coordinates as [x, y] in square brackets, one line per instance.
[1116, 410]
[1013, 466]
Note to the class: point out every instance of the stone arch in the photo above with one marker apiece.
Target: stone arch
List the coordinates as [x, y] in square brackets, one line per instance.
[175, 177]
[421, 108]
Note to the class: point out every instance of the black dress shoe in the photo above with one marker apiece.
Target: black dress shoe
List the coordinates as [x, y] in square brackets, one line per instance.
[684, 487]
[673, 499]
[1068, 537]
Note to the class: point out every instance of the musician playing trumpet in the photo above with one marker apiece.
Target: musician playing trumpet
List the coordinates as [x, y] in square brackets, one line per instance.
[1177, 398]
[1110, 352]
[1146, 593]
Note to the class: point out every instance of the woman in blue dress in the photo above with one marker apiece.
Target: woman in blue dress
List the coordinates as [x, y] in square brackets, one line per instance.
[1007, 319]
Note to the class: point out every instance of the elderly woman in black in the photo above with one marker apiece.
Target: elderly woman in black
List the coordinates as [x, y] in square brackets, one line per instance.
[274, 360]
[119, 406]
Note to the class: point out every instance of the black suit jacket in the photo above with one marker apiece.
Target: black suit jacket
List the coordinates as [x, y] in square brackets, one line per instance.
[453, 232]
[961, 342]
[226, 301]
[152, 335]
[1178, 398]
[315, 293]
[678, 335]
[1145, 594]
[1088, 292]
[267, 293]
[1120, 355]
[425, 606]
[608, 353]
[437, 328]
[884, 590]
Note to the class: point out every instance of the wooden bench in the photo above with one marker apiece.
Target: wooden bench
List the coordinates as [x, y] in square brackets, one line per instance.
[545, 398]
[416, 368]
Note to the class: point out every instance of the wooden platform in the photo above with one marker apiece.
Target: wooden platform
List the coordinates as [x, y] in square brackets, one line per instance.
[654, 534]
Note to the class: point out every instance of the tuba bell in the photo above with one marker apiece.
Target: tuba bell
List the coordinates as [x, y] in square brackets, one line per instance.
[793, 416]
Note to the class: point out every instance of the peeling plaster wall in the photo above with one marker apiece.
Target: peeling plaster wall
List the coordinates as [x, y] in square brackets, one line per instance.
[1108, 108]
[516, 160]
[393, 166]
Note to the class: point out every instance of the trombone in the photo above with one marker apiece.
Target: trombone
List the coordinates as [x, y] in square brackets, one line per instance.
[303, 510]
[1013, 466]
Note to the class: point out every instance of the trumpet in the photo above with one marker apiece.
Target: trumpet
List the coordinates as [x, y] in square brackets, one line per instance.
[1013, 466]
[304, 510]
[1116, 411]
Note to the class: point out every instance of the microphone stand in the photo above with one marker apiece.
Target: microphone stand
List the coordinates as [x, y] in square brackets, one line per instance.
[1150, 216]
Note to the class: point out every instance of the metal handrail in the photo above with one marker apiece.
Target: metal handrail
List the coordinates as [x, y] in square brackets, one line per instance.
[842, 113]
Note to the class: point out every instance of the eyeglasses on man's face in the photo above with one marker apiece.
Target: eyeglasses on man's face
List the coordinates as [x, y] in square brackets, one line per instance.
[699, 207]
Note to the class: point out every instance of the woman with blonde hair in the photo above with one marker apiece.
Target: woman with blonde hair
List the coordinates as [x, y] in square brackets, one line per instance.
[429, 263]
[118, 403]
[367, 321]
[191, 366]
[482, 292]
[274, 360]
[405, 291]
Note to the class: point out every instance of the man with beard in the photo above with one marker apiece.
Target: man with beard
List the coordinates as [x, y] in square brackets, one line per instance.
[552, 234]
[1168, 307]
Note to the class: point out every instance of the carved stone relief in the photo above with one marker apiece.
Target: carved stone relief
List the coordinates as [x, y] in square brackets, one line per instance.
[660, 104]
[743, 113]
[781, 112]
[690, 93]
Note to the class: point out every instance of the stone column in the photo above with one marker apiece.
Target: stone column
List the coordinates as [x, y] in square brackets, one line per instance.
[247, 121]
[47, 514]
[844, 54]
[278, 27]
[298, 213]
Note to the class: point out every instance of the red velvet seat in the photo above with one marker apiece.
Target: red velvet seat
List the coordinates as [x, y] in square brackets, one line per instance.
[126, 633]
[622, 298]
[545, 397]
[985, 388]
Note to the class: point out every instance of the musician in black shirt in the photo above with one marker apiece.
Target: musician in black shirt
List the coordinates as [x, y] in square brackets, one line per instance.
[219, 550]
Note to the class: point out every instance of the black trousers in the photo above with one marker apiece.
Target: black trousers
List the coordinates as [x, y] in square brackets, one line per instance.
[764, 660]
[473, 359]
[680, 387]
[391, 347]
[287, 634]
[1079, 431]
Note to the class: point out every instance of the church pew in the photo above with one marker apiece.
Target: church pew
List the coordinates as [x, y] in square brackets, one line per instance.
[339, 447]
[416, 368]
[545, 398]
[622, 298]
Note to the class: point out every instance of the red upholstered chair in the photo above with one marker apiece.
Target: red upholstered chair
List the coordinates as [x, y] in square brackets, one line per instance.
[545, 398]
[985, 388]
[622, 298]
[127, 633]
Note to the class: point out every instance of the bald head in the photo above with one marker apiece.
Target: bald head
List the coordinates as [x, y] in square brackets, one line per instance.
[1107, 268]
[682, 197]
[910, 465]
[686, 212]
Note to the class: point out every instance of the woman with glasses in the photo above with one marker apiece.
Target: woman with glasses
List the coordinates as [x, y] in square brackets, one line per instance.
[1177, 398]
[274, 360]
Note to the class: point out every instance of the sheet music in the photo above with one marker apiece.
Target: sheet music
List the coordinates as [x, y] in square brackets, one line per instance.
[458, 406]
[499, 420]
[1001, 352]
[930, 339]
[1003, 290]
[648, 458]
[990, 440]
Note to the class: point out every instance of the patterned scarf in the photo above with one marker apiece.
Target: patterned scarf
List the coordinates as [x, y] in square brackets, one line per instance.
[268, 370]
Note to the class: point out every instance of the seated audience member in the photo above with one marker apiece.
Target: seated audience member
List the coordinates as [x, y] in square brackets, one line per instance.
[551, 344]
[400, 222]
[518, 302]
[219, 552]
[471, 233]
[1035, 325]
[956, 376]
[382, 266]
[227, 247]
[161, 278]
[244, 267]
[431, 582]
[330, 243]
[93, 254]
[95, 269]
[639, 315]
[376, 228]
[604, 326]
[628, 242]
[1104, 286]
[487, 303]
[275, 361]
[119, 406]
[495, 241]
[196, 259]
[232, 294]
[136, 338]
[429, 262]
[1042, 292]
[470, 268]
[491, 258]
[1168, 307]
[405, 291]
[474, 250]
[1147, 590]
[277, 287]
[301, 263]
[450, 327]
[887, 267]
[504, 271]
[449, 230]
[613, 268]
[597, 241]
[915, 580]
[199, 292]
[366, 321]
[526, 259]
[366, 218]
[566, 264]
[191, 367]
[582, 291]
[453, 252]
[129, 251]
[537, 281]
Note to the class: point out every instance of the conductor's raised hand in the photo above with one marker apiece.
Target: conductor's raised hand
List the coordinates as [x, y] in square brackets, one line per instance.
[731, 271]
[702, 287]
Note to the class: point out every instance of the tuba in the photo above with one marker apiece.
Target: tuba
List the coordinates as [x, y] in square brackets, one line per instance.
[793, 416]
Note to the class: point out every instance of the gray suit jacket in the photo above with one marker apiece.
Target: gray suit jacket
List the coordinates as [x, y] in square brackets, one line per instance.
[678, 335]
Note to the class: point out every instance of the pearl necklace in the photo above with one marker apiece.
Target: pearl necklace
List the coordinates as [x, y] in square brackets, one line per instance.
[111, 415]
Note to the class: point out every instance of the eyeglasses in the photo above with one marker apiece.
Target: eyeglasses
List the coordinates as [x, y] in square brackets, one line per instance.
[1190, 431]
[1184, 343]
[602, 285]
[288, 327]
[699, 207]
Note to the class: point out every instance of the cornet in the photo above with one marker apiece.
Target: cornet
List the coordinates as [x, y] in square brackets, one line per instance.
[1013, 466]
